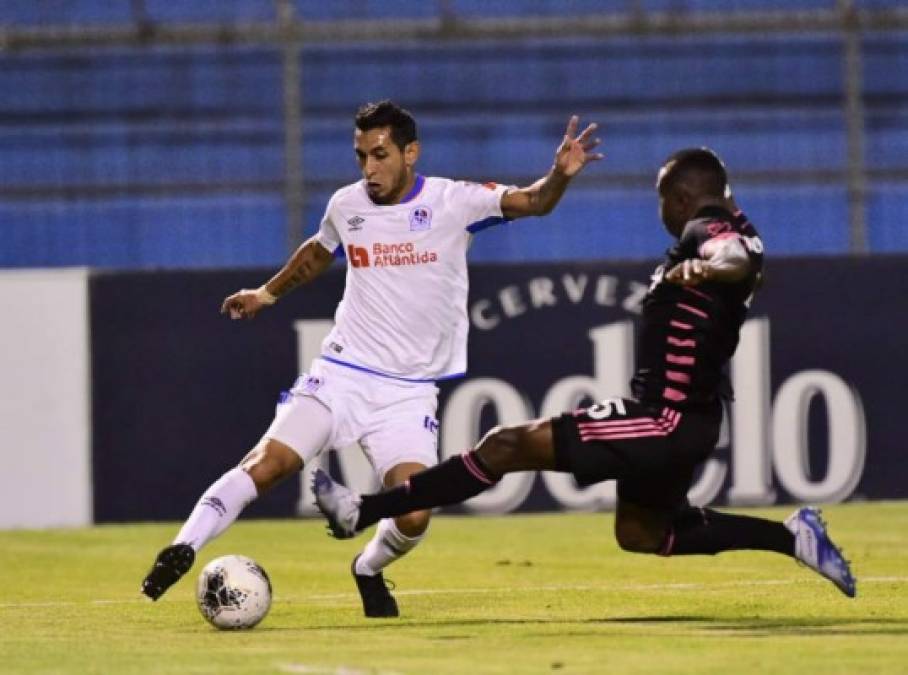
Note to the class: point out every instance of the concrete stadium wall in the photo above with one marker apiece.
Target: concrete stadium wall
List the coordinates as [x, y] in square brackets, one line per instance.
[45, 435]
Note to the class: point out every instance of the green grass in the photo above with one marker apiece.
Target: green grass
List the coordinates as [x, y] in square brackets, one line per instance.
[518, 594]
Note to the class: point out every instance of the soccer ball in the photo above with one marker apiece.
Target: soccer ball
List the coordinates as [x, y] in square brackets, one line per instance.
[233, 592]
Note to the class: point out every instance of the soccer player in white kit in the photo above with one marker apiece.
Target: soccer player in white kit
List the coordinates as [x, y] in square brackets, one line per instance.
[400, 327]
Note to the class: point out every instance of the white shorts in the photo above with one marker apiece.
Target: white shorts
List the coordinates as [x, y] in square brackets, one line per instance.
[334, 406]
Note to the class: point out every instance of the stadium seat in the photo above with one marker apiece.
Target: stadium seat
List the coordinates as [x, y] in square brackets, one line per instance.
[208, 122]
[124, 233]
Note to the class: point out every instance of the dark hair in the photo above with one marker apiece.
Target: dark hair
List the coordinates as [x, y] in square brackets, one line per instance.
[388, 114]
[700, 162]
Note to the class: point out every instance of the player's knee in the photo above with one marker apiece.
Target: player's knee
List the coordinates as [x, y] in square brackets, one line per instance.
[268, 464]
[413, 524]
[500, 449]
[636, 537]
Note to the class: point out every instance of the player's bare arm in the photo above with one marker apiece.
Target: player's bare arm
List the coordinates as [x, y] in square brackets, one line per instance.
[307, 262]
[724, 260]
[574, 153]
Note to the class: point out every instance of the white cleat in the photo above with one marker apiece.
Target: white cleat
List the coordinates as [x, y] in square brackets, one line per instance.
[814, 548]
[339, 505]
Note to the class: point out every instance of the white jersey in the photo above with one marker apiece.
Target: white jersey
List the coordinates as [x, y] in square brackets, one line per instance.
[404, 309]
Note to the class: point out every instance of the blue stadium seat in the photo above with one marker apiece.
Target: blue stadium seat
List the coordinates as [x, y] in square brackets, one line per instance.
[880, 4]
[887, 218]
[749, 140]
[886, 142]
[213, 115]
[506, 8]
[124, 233]
[588, 225]
[612, 224]
[885, 61]
[735, 5]
[617, 74]
[209, 11]
[798, 220]
[63, 12]
[140, 85]
[366, 9]
[169, 160]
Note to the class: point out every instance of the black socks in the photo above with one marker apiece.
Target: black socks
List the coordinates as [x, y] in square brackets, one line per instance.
[451, 482]
[700, 531]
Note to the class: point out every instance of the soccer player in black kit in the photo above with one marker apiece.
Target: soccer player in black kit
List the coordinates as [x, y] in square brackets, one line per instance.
[652, 443]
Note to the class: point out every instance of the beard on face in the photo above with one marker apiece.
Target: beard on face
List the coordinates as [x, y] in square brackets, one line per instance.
[392, 193]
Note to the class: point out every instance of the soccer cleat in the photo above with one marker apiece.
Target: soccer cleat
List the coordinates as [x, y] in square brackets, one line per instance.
[378, 602]
[170, 565]
[814, 548]
[339, 505]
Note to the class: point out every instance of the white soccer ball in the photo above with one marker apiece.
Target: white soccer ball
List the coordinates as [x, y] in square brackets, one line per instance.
[233, 592]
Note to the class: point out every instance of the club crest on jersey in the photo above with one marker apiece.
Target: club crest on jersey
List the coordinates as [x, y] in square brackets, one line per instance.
[420, 219]
[308, 384]
[355, 224]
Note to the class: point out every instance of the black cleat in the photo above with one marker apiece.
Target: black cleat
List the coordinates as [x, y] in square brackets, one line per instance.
[377, 601]
[171, 564]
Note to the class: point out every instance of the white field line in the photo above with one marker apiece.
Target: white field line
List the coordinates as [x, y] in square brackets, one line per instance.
[480, 591]
[606, 588]
[328, 670]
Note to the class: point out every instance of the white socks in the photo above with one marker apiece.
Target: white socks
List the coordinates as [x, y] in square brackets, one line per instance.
[385, 547]
[223, 502]
[217, 509]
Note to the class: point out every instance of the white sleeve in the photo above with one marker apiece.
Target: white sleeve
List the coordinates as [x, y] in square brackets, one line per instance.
[481, 204]
[327, 234]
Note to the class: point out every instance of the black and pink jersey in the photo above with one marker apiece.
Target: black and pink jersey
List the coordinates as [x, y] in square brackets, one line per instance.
[689, 334]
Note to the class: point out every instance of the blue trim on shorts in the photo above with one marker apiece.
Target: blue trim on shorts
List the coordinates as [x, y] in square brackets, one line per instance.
[363, 369]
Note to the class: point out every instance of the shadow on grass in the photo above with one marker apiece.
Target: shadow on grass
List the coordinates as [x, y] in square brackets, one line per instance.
[751, 627]
[701, 625]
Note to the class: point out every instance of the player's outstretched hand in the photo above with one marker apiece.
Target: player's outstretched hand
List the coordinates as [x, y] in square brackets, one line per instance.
[691, 272]
[243, 304]
[576, 151]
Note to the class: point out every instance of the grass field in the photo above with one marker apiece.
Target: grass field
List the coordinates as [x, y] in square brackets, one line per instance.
[518, 594]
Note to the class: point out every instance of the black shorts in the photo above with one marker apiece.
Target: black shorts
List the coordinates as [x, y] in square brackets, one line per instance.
[651, 452]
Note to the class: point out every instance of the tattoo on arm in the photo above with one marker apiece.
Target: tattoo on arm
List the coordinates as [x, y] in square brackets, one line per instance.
[281, 286]
[308, 262]
[539, 198]
[551, 188]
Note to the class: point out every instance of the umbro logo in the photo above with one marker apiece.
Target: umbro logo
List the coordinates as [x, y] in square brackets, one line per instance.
[215, 504]
[355, 224]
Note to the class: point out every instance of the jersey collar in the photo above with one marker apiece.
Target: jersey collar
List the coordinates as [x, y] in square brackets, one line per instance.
[415, 190]
[713, 212]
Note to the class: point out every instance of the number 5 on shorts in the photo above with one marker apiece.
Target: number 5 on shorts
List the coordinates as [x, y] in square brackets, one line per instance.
[605, 408]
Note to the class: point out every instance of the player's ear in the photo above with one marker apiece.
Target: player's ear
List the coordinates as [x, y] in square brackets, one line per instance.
[411, 153]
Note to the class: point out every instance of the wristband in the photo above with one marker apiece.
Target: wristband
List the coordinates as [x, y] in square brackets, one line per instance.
[264, 296]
